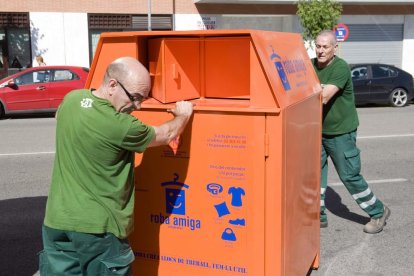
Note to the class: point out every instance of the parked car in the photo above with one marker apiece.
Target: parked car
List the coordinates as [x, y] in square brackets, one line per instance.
[381, 84]
[39, 89]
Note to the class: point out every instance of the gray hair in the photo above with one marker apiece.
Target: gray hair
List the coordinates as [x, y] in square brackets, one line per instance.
[331, 34]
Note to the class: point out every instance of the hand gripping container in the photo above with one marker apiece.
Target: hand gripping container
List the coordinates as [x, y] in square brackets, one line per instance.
[238, 192]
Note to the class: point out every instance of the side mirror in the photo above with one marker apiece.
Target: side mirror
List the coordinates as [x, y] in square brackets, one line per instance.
[11, 84]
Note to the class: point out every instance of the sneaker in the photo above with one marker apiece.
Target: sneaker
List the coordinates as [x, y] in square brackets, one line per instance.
[375, 225]
[324, 224]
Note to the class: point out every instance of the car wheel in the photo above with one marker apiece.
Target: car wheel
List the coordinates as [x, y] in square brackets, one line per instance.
[398, 97]
[1, 111]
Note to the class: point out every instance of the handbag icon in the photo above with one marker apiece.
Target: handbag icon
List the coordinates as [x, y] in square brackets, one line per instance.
[228, 235]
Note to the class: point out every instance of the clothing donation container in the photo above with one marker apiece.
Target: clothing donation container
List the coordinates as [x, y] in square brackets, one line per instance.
[238, 192]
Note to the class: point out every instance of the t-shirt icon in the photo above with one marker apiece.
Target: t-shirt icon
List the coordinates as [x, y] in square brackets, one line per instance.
[237, 194]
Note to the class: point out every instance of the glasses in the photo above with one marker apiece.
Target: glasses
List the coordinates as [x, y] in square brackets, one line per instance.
[137, 98]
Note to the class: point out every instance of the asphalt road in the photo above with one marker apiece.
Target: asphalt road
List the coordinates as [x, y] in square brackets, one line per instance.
[386, 139]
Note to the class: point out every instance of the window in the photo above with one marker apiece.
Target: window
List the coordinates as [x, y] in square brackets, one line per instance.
[33, 77]
[41, 76]
[19, 48]
[64, 75]
[382, 71]
[359, 72]
[392, 72]
[15, 48]
[99, 23]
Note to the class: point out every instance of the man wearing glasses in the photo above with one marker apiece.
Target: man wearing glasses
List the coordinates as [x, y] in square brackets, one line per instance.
[91, 199]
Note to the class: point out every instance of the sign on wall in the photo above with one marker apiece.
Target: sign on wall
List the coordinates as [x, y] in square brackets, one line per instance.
[207, 23]
[341, 32]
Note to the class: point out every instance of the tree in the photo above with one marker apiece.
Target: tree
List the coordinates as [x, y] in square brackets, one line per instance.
[317, 15]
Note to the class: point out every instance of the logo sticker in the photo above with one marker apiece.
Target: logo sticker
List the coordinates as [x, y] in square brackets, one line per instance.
[277, 61]
[86, 103]
[175, 215]
[175, 196]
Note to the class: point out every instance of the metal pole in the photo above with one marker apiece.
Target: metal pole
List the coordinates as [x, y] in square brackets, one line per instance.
[173, 15]
[149, 15]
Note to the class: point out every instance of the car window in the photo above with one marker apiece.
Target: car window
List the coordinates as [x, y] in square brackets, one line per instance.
[33, 77]
[392, 72]
[64, 75]
[382, 71]
[359, 72]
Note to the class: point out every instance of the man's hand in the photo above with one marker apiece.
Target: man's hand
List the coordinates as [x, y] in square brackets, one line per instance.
[182, 108]
[328, 91]
[168, 131]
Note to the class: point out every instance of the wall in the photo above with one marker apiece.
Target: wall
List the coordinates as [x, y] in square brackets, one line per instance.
[70, 18]
[63, 42]
[90, 6]
[408, 44]
[189, 7]
[277, 23]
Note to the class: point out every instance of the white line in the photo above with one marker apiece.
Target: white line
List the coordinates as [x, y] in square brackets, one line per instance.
[386, 136]
[27, 153]
[360, 137]
[374, 181]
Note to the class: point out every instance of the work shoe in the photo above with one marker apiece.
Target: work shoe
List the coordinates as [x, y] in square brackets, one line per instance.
[375, 225]
[324, 224]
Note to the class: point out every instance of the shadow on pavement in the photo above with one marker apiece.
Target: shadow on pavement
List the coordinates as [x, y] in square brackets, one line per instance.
[21, 234]
[28, 116]
[21, 237]
[333, 203]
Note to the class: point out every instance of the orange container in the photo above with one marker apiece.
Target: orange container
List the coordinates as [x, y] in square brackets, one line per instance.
[238, 192]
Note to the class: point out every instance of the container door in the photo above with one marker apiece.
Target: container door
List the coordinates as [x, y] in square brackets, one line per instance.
[200, 202]
[175, 66]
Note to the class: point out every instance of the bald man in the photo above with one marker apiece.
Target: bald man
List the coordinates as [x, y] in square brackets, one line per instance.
[89, 212]
[339, 131]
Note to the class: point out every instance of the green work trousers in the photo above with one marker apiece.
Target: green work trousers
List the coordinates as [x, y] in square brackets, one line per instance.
[345, 156]
[69, 253]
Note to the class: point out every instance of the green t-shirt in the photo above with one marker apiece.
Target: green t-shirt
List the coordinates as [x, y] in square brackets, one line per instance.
[92, 187]
[339, 114]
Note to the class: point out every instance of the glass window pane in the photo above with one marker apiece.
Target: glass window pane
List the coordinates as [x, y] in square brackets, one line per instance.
[63, 75]
[94, 41]
[28, 78]
[379, 71]
[19, 48]
[359, 72]
[94, 38]
[41, 76]
[2, 43]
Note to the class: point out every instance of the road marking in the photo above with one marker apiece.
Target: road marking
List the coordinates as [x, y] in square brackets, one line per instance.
[27, 153]
[386, 136]
[360, 137]
[374, 181]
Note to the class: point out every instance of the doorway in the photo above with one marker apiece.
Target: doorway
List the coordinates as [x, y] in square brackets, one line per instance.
[3, 54]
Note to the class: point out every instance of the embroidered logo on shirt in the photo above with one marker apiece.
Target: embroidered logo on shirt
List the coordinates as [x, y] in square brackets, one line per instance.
[86, 103]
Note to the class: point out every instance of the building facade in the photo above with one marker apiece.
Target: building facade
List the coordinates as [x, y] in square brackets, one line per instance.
[67, 32]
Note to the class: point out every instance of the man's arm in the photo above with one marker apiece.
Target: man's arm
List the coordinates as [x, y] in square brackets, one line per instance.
[328, 91]
[168, 131]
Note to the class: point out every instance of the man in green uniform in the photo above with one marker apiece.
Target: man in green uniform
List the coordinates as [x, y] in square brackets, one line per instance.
[339, 131]
[89, 212]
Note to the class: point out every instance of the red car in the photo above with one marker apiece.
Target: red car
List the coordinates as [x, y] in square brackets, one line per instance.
[39, 89]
